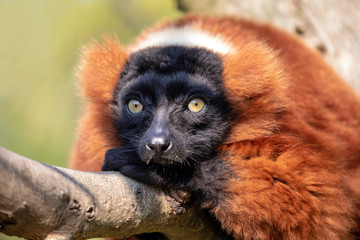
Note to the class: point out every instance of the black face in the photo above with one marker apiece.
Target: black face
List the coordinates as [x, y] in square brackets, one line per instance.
[169, 109]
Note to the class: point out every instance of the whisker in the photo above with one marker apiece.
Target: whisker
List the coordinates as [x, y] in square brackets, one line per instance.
[192, 130]
[128, 150]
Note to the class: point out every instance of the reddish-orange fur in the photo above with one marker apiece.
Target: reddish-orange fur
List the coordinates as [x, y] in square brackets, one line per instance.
[295, 148]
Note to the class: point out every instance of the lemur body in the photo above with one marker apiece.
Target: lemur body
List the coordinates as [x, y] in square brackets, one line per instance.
[242, 114]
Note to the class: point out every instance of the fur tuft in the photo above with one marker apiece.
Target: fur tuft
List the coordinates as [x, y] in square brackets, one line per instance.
[99, 69]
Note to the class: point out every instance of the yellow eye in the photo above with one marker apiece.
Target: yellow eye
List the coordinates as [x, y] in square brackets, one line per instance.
[135, 106]
[196, 105]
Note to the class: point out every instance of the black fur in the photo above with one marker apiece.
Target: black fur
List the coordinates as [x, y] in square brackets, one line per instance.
[164, 80]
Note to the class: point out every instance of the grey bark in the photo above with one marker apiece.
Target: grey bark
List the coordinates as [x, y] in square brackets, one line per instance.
[39, 201]
[331, 26]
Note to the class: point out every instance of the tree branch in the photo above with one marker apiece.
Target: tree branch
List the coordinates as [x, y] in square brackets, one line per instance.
[42, 201]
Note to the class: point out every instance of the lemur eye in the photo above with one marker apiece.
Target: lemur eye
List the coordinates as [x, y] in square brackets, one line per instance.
[135, 106]
[196, 105]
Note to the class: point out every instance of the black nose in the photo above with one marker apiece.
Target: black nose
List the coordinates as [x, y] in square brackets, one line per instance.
[159, 145]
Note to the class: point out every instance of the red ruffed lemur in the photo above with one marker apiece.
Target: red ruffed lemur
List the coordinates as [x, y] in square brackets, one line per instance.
[242, 115]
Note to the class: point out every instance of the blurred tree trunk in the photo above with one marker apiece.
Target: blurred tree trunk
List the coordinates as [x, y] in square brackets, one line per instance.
[331, 26]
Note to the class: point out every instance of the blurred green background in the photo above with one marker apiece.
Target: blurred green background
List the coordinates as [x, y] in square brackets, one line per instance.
[40, 42]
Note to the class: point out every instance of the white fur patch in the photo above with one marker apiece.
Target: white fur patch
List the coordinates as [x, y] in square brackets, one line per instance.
[184, 36]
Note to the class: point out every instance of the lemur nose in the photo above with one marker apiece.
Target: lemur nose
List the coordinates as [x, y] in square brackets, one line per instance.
[159, 145]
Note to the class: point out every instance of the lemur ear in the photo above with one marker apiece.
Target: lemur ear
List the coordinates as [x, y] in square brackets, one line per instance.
[99, 69]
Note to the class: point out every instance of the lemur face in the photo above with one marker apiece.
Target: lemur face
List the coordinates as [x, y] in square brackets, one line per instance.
[169, 105]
